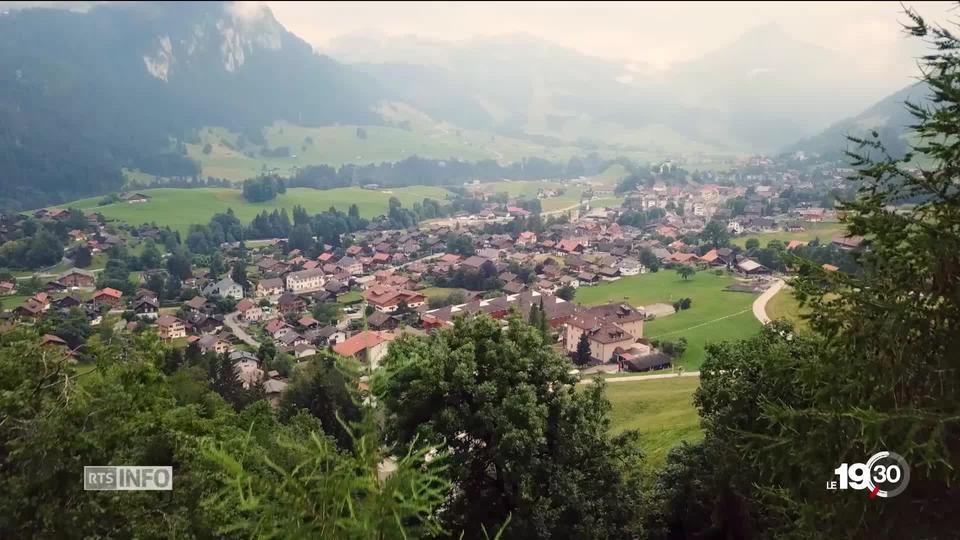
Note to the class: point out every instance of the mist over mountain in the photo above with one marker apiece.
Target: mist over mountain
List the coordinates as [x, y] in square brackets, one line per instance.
[83, 94]
[764, 90]
[888, 117]
[89, 91]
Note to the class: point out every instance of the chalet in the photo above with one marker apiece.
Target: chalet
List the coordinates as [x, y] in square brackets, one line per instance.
[796, 244]
[225, 288]
[336, 287]
[278, 328]
[474, 262]
[76, 278]
[367, 346]
[269, 287]
[845, 242]
[608, 327]
[568, 245]
[328, 335]
[350, 265]
[134, 197]
[291, 303]
[31, 309]
[382, 321]
[302, 350]
[514, 287]
[249, 311]
[450, 258]
[291, 339]
[308, 322]
[7, 287]
[49, 340]
[388, 299]
[215, 344]
[196, 304]
[751, 267]
[305, 280]
[146, 306]
[201, 323]
[588, 278]
[169, 327]
[526, 238]
[107, 297]
[68, 302]
[629, 267]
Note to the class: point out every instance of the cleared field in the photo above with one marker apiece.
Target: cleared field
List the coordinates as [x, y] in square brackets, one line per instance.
[823, 231]
[607, 202]
[229, 156]
[661, 409]
[784, 306]
[529, 189]
[179, 208]
[714, 315]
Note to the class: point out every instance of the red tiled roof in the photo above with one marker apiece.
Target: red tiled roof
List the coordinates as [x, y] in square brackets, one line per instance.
[361, 341]
[109, 292]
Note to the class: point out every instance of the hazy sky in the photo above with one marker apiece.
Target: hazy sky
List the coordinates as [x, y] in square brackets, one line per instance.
[651, 32]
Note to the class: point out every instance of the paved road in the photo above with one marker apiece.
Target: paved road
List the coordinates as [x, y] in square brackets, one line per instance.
[760, 304]
[645, 377]
[231, 321]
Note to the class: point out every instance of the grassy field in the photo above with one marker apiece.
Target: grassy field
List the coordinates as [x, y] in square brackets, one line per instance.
[715, 315]
[608, 202]
[529, 189]
[784, 306]
[814, 230]
[661, 409]
[179, 208]
[337, 145]
[434, 292]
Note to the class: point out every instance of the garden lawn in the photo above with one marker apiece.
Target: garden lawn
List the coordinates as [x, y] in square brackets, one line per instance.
[823, 231]
[714, 315]
[661, 409]
[179, 208]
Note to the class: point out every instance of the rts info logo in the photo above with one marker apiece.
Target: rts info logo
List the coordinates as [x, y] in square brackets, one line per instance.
[885, 474]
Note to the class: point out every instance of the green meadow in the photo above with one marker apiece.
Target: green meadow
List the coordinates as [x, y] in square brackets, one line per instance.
[179, 208]
[714, 315]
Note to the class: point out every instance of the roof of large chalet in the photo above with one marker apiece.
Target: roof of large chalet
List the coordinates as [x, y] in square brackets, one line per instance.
[597, 316]
[168, 320]
[569, 245]
[275, 325]
[305, 274]
[475, 261]
[270, 283]
[553, 307]
[364, 340]
[108, 291]
[196, 302]
[610, 333]
[245, 304]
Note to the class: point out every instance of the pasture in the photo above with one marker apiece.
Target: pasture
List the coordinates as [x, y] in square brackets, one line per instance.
[661, 409]
[823, 231]
[714, 315]
[179, 208]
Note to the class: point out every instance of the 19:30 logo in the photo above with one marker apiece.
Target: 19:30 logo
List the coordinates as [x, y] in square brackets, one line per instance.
[885, 474]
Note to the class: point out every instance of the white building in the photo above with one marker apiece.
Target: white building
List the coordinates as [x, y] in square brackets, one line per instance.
[226, 288]
[305, 281]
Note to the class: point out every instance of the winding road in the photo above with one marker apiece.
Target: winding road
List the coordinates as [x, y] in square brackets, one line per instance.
[231, 321]
[760, 304]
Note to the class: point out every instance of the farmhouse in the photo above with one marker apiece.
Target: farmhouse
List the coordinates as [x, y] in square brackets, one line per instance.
[269, 287]
[107, 297]
[169, 327]
[76, 278]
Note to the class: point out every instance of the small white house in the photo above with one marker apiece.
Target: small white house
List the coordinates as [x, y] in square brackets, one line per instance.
[226, 288]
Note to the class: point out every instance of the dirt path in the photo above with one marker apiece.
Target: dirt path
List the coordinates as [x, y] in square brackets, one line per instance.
[760, 304]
